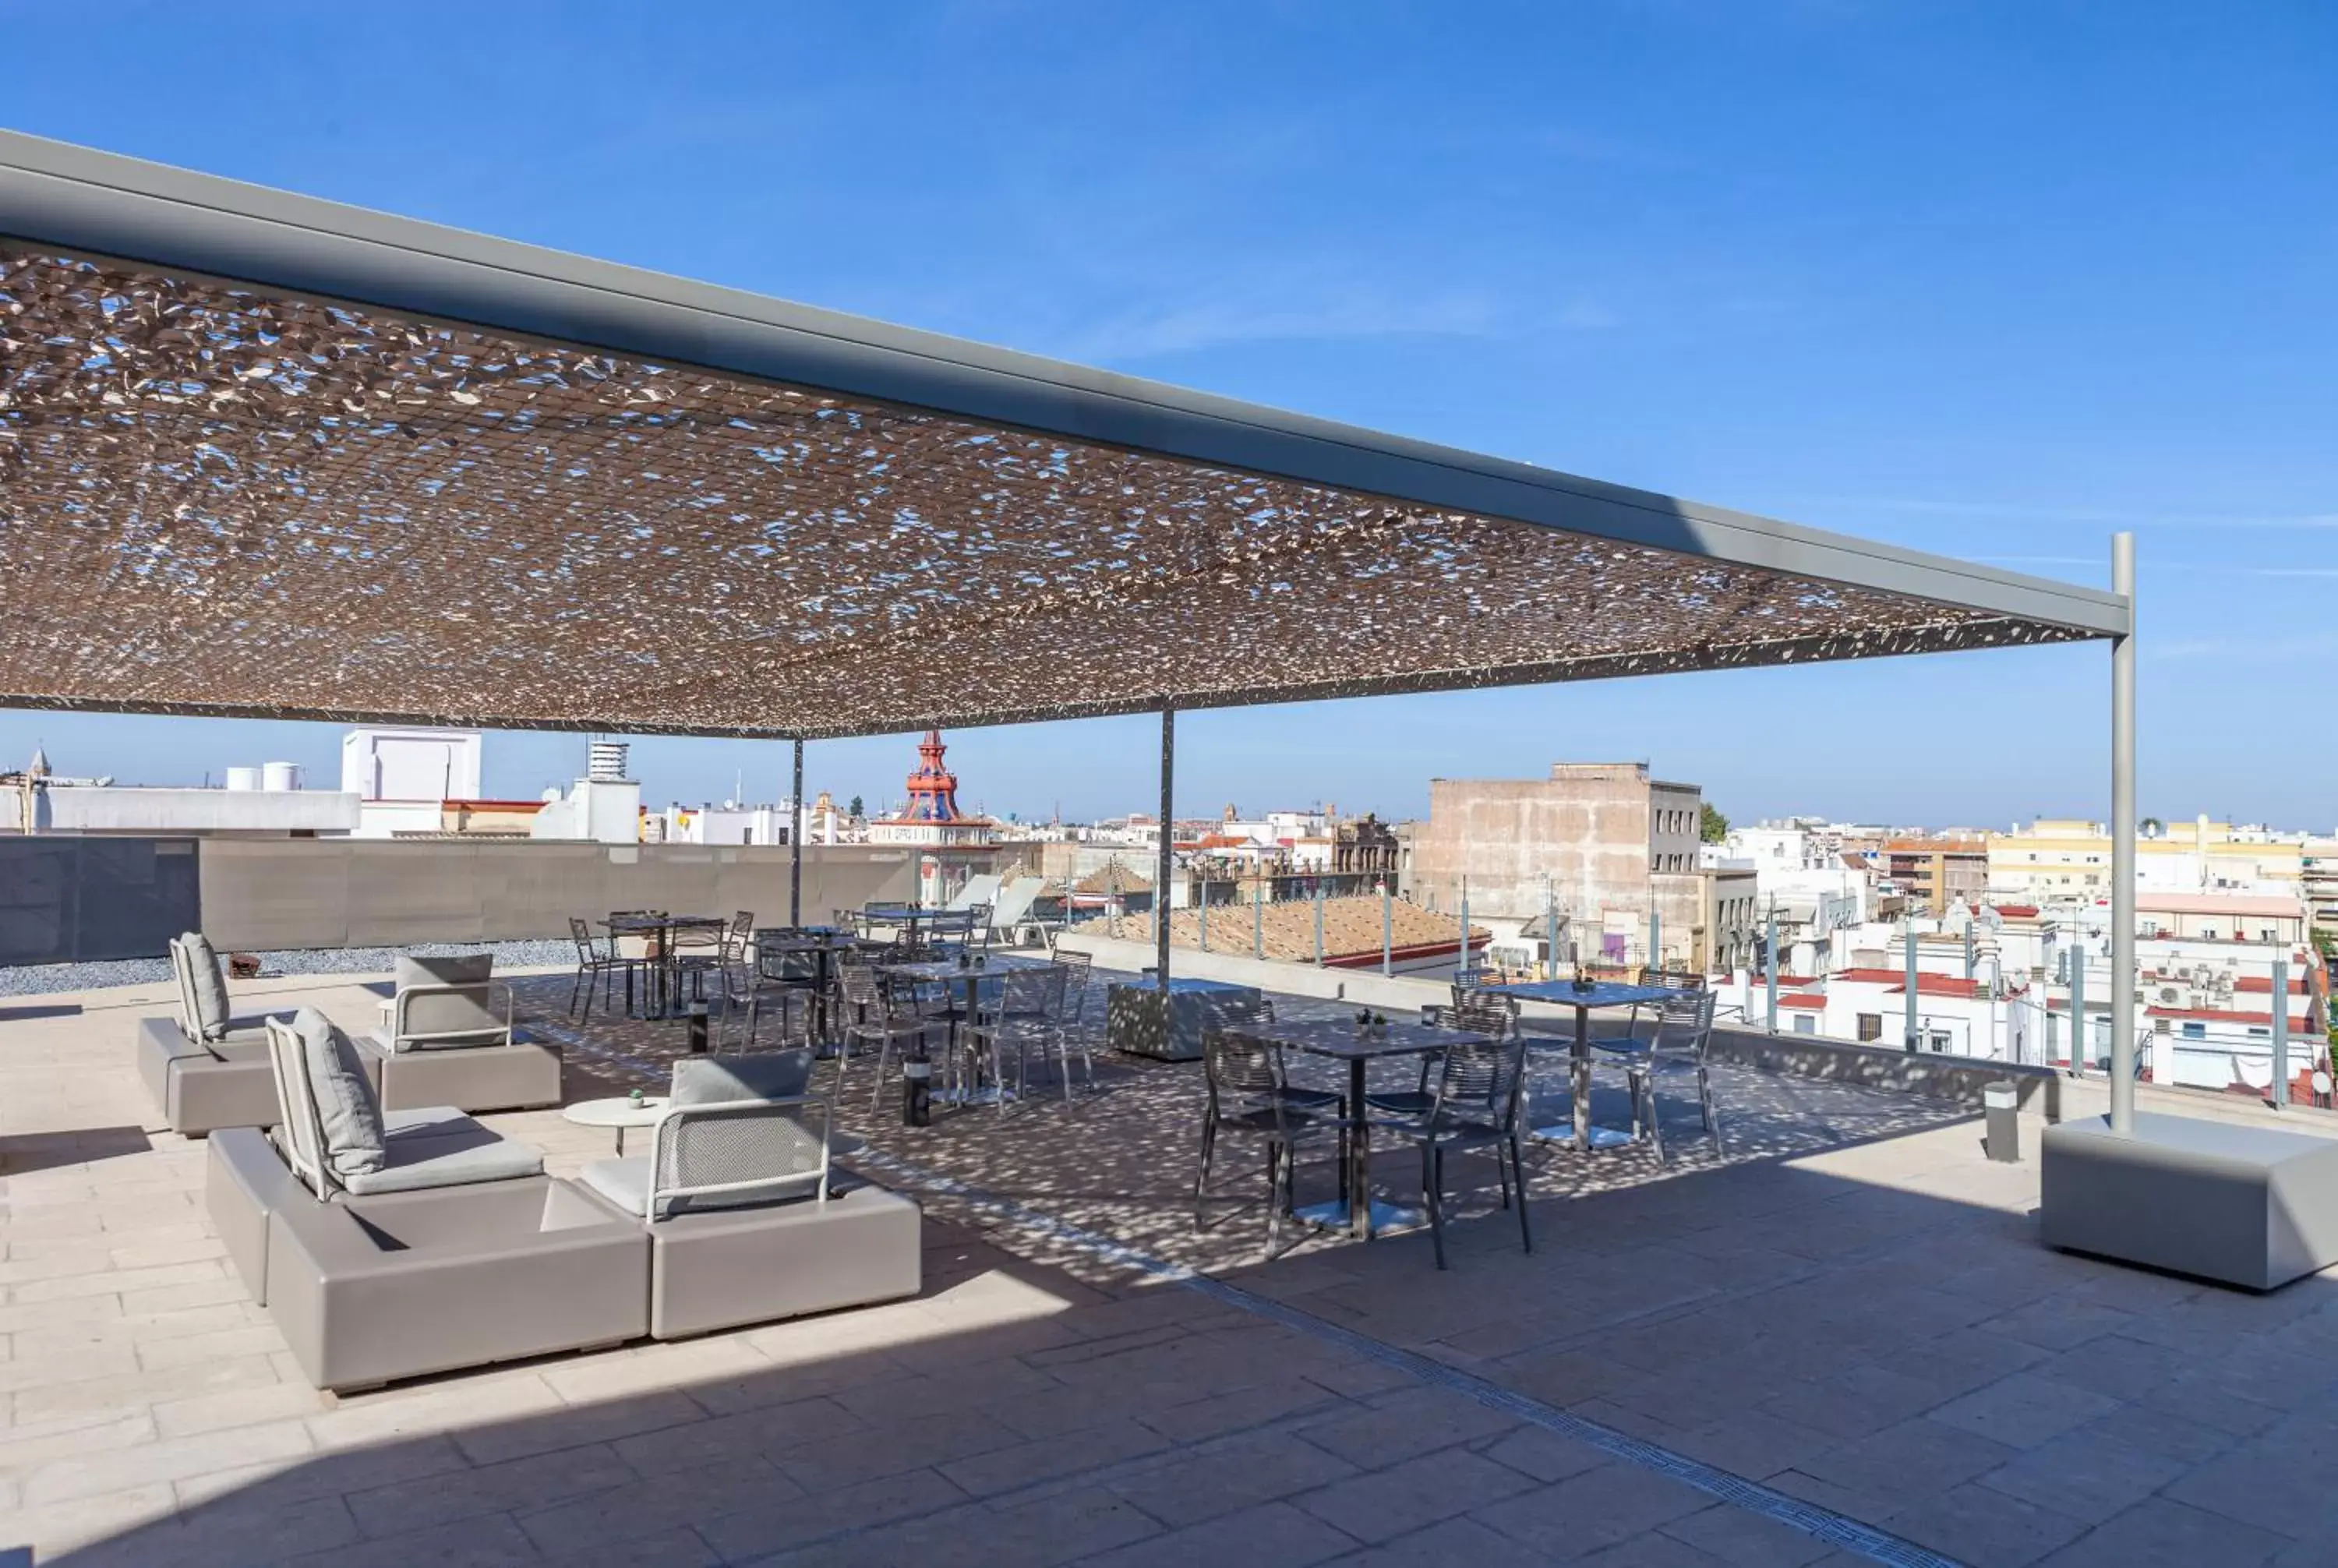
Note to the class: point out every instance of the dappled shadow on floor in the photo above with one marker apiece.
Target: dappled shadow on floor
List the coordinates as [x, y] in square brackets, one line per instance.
[1847, 1304]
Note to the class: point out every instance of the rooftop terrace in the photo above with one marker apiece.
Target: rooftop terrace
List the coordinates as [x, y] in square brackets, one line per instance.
[1839, 1342]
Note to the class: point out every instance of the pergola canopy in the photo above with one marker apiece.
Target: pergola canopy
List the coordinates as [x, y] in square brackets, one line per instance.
[263, 454]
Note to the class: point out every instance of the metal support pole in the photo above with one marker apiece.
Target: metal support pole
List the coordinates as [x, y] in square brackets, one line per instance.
[1656, 939]
[1388, 930]
[1770, 959]
[795, 842]
[2123, 845]
[1549, 933]
[1318, 923]
[1463, 971]
[1162, 866]
[1913, 1034]
[1969, 949]
[2079, 1010]
[1258, 916]
[2280, 1032]
[1201, 891]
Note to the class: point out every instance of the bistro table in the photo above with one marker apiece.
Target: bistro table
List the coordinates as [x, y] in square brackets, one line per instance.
[666, 973]
[1585, 1001]
[620, 1112]
[1343, 1040]
[947, 972]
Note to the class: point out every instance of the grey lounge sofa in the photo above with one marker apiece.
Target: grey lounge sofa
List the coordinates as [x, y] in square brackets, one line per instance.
[450, 1041]
[746, 1220]
[204, 1069]
[252, 1174]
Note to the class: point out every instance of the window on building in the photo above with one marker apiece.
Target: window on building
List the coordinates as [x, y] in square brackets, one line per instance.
[1871, 1025]
[1805, 1024]
[1940, 1041]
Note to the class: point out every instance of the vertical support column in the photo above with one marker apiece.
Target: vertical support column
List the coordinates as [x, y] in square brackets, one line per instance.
[1915, 1028]
[1258, 916]
[2123, 845]
[795, 841]
[1388, 929]
[1201, 911]
[1549, 933]
[1969, 949]
[1769, 962]
[1318, 897]
[2280, 1032]
[1462, 972]
[1165, 867]
[1655, 938]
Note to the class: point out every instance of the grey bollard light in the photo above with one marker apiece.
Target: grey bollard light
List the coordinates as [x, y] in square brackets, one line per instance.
[2001, 1121]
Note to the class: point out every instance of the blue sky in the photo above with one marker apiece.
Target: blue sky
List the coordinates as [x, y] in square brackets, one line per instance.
[1990, 279]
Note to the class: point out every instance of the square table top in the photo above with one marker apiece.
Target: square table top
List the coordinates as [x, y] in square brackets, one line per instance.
[661, 922]
[1602, 993]
[1341, 1039]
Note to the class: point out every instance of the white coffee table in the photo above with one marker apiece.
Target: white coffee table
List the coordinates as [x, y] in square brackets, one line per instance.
[619, 1112]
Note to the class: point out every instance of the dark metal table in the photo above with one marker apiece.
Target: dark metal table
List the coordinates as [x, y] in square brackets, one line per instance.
[1342, 1041]
[821, 944]
[667, 971]
[1599, 993]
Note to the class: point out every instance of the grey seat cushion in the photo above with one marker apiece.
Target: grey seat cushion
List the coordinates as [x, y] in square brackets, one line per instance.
[347, 1113]
[210, 985]
[626, 1183]
[442, 1147]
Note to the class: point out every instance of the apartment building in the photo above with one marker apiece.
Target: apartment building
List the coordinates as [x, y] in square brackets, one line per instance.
[2064, 858]
[1936, 875]
[1601, 844]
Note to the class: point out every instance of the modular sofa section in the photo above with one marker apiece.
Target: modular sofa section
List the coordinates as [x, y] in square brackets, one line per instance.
[726, 1267]
[244, 1181]
[367, 1291]
[2250, 1206]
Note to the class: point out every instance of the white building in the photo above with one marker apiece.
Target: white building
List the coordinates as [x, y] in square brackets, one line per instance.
[404, 775]
[258, 802]
[604, 805]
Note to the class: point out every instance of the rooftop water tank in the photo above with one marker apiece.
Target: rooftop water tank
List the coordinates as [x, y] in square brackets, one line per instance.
[243, 778]
[279, 776]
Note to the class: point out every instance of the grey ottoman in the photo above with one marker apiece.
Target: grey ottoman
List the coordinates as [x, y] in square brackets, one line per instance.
[2251, 1206]
[725, 1268]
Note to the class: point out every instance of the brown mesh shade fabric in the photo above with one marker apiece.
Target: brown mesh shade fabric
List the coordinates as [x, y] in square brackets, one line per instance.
[217, 498]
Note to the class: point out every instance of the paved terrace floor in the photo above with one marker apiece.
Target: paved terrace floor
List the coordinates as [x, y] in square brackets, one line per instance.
[1849, 1309]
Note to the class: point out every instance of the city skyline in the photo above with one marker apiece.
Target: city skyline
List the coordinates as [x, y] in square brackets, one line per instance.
[1810, 280]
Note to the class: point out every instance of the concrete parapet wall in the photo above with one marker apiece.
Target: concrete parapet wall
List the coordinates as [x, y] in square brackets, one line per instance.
[371, 893]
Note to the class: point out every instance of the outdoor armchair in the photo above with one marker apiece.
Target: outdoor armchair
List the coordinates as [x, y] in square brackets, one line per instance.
[204, 1068]
[1474, 1104]
[448, 1040]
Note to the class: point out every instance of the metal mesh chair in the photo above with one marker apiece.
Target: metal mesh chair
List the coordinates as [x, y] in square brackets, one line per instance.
[1683, 1030]
[1473, 1106]
[1028, 1008]
[1250, 1096]
[595, 962]
[873, 1013]
[1069, 1033]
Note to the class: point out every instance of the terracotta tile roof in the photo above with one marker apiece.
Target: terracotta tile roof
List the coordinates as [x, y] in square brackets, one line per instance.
[1805, 1000]
[1351, 928]
[2264, 983]
[2225, 1015]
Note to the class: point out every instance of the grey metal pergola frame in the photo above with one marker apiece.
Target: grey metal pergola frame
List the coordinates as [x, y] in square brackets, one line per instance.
[78, 201]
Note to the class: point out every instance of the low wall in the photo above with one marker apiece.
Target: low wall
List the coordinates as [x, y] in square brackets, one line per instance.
[386, 893]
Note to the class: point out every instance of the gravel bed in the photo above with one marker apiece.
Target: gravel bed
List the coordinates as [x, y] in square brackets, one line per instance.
[40, 979]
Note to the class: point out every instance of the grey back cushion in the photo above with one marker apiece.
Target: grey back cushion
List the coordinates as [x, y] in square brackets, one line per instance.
[462, 969]
[209, 987]
[347, 1108]
[710, 1080]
